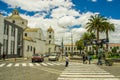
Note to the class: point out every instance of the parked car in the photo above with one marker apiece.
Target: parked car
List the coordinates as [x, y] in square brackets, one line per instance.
[53, 57]
[37, 58]
[46, 55]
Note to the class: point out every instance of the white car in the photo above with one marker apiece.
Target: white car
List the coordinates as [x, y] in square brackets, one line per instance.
[53, 57]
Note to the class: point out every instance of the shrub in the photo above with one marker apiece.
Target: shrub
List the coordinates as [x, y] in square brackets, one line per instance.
[94, 57]
[109, 62]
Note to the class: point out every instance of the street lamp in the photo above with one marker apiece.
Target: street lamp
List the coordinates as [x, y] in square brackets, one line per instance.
[62, 47]
[71, 43]
[0, 47]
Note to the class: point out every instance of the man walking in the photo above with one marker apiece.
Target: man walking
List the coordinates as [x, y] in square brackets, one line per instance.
[89, 59]
[84, 58]
[100, 52]
[67, 61]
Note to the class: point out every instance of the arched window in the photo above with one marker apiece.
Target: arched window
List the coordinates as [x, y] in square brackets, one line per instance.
[49, 36]
[13, 21]
[22, 22]
[49, 41]
[26, 34]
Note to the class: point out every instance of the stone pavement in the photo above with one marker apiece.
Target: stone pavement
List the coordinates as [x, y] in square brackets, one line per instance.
[79, 71]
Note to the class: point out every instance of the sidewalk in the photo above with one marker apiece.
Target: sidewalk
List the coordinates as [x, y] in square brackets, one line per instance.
[13, 59]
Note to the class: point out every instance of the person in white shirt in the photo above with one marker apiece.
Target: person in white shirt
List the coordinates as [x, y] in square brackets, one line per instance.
[67, 61]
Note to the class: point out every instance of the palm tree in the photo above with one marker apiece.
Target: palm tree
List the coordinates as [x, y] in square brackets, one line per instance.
[108, 27]
[92, 37]
[95, 24]
[85, 38]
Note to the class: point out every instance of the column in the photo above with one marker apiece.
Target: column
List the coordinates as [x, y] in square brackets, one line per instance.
[9, 40]
[16, 35]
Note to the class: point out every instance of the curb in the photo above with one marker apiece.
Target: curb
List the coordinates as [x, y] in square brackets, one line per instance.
[14, 59]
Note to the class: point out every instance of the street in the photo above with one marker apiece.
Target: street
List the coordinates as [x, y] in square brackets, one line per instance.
[26, 70]
[56, 70]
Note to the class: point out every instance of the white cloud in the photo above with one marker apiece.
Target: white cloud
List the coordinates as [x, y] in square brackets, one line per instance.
[63, 17]
[38, 5]
[94, 0]
[62, 11]
[61, 28]
[115, 36]
[57, 25]
[109, 0]
[3, 12]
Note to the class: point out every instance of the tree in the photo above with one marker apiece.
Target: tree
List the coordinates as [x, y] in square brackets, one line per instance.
[96, 25]
[80, 45]
[86, 38]
[92, 37]
[108, 27]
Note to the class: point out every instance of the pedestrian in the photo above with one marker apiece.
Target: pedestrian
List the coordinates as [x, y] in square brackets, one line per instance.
[67, 61]
[100, 52]
[99, 60]
[84, 58]
[89, 59]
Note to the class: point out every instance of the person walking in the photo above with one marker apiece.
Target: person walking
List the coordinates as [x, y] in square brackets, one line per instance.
[100, 52]
[84, 58]
[67, 61]
[89, 59]
[99, 60]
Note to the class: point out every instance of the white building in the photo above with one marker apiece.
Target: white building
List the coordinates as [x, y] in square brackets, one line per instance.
[19, 40]
[1, 33]
[33, 42]
[114, 45]
[69, 48]
[50, 41]
[12, 35]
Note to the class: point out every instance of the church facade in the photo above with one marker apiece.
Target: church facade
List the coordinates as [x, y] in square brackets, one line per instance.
[19, 40]
[12, 28]
[35, 42]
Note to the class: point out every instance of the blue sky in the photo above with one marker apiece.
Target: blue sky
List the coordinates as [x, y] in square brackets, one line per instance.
[108, 8]
[65, 16]
[104, 7]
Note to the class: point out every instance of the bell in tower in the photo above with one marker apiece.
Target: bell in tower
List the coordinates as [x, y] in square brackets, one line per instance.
[50, 36]
[15, 12]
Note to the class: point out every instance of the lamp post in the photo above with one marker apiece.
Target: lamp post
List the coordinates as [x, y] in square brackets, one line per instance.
[0, 47]
[71, 43]
[62, 48]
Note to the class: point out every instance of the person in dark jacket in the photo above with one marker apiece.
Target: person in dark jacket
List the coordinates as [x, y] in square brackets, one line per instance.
[100, 53]
[89, 59]
[84, 58]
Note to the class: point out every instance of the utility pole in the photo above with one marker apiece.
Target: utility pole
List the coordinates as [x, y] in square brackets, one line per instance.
[71, 43]
[62, 48]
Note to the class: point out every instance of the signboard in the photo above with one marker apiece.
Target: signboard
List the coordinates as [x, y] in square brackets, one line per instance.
[95, 42]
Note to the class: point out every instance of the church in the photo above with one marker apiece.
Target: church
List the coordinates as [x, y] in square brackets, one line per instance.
[34, 42]
[19, 40]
